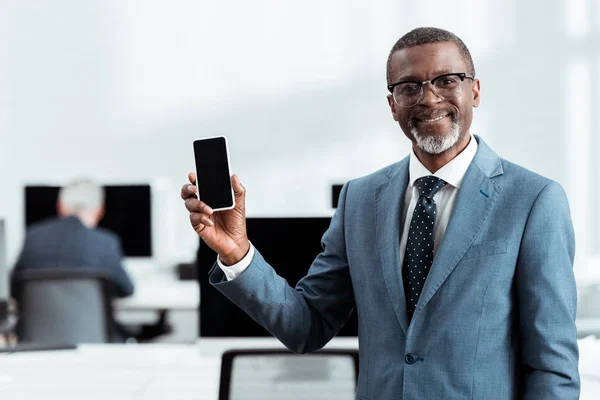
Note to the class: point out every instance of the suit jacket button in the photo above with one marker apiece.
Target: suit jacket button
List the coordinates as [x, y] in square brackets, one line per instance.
[410, 358]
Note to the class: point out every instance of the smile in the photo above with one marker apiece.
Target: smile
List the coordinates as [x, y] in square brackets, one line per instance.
[433, 119]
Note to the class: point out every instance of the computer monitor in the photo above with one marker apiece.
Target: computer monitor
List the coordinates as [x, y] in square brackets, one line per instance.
[128, 213]
[273, 374]
[290, 245]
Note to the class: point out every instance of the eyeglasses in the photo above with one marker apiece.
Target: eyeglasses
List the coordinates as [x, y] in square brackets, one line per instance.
[410, 93]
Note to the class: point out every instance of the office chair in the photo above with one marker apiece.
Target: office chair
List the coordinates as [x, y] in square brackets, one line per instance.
[64, 306]
[281, 374]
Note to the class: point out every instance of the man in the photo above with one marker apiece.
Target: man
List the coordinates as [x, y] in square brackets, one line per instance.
[491, 317]
[73, 240]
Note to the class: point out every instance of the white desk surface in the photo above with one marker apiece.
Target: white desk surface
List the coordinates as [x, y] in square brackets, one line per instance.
[159, 371]
[585, 325]
[160, 290]
[148, 371]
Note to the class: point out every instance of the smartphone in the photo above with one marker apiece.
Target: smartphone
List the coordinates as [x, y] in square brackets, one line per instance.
[213, 176]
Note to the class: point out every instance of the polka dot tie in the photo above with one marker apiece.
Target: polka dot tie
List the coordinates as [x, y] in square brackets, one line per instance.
[418, 256]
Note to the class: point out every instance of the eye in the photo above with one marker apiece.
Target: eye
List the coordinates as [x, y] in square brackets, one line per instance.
[408, 89]
[447, 82]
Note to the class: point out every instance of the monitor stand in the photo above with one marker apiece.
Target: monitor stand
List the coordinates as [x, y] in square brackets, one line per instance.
[8, 316]
[6, 313]
[3, 312]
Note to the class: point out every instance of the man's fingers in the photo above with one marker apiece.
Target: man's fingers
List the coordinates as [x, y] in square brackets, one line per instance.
[200, 219]
[192, 178]
[196, 206]
[188, 191]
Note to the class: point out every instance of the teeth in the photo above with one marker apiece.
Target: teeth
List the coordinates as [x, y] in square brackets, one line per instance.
[434, 119]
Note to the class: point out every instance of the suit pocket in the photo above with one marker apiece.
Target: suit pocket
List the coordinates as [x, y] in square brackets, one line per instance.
[491, 248]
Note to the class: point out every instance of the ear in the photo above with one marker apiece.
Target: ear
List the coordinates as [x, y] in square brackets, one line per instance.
[392, 104]
[475, 91]
[100, 213]
[61, 210]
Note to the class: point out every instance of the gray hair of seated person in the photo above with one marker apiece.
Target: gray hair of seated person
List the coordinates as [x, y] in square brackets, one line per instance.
[82, 195]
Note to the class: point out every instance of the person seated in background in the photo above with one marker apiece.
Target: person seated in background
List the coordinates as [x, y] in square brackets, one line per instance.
[74, 240]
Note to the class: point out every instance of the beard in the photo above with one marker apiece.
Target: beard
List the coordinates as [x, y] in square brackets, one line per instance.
[436, 144]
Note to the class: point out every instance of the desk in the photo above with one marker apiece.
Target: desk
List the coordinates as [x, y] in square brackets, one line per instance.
[589, 367]
[165, 371]
[149, 371]
[158, 288]
[161, 290]
[588, 327]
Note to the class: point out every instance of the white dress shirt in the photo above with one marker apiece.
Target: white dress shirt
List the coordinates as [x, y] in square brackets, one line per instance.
[453, 173]
[233, 271]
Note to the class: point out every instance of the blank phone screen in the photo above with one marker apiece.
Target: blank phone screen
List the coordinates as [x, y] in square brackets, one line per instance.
[212, 172]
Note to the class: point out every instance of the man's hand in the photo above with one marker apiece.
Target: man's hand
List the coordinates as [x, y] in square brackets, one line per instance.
[222, 231]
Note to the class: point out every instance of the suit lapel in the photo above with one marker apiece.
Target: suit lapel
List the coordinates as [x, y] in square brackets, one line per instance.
[476, 198]
[389, 203]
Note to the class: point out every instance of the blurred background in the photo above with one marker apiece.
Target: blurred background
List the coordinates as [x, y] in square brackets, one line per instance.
[118, 90]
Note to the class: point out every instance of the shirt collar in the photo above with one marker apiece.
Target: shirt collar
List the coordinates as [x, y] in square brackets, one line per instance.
[453, 172]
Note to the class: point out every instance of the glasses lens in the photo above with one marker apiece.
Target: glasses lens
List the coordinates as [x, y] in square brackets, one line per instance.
[448, 86]
[408, 94]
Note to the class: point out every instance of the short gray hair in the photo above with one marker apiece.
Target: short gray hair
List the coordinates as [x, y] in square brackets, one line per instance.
[427, 35]
[81, 195]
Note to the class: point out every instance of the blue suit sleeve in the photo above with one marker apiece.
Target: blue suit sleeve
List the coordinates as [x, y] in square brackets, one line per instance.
[306, 317]
[547, 299]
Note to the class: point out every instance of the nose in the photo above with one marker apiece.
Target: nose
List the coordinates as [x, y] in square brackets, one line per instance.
[429, 96]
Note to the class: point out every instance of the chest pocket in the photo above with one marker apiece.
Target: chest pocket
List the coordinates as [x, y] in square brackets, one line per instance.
[491, 248]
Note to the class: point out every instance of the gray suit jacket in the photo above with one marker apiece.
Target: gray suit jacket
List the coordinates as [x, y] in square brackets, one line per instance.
[66, 243]
[496, 318]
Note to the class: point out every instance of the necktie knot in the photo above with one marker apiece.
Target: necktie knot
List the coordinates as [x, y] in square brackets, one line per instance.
[429, 185]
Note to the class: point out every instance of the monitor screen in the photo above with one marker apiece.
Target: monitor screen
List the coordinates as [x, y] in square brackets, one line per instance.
[128, 213]
[289, 245]
[273, 377]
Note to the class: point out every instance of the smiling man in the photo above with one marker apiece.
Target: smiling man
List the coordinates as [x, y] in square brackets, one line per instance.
[458, 262]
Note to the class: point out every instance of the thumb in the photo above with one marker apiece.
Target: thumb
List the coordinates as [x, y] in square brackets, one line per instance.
[239, 191]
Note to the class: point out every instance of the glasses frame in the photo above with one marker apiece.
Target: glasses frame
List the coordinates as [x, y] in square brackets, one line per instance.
[461, 75]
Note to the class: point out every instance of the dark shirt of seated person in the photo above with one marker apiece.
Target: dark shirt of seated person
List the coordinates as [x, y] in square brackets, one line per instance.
[73, 240]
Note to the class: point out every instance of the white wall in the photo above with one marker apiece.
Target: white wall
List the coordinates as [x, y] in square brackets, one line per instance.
[118, 90]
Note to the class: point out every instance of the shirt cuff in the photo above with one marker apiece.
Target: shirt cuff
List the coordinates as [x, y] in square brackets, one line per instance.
[233, 271]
